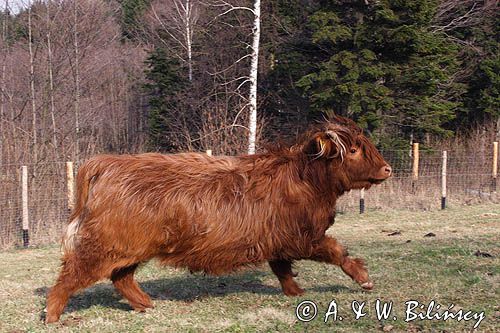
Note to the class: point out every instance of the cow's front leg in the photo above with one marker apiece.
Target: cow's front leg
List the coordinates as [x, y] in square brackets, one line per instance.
[283, 270]
[330, 251]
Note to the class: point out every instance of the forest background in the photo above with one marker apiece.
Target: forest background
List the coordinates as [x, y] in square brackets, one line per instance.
[78, 77]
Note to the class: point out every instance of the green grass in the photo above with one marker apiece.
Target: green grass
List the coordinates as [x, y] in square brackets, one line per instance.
[407, 266]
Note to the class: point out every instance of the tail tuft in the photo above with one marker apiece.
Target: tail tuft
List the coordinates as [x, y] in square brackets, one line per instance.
[87, 173]
[70, 236]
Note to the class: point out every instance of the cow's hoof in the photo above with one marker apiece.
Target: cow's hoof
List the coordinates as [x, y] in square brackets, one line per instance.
[294, 292]
[143, 307]
[51, 319]
[139, 309]
[367, 285]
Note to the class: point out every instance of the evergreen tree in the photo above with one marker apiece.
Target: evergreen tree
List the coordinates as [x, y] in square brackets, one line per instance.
[164, 82]
[132, 11]
[289, 55]
[482, 100]
[484, 94]
[382, 66]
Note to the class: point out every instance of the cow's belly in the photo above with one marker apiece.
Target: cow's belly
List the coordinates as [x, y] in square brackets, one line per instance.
[213, 259]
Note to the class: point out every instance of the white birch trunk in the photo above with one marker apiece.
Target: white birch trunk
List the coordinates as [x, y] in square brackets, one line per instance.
[252, 135]
[77, 80]
[181, 29]
[4, 44]
[51, 78]
[3, 85]
[189, 37]
[32, 88]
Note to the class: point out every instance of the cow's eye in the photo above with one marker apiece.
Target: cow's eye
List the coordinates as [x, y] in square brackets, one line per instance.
[353, 150]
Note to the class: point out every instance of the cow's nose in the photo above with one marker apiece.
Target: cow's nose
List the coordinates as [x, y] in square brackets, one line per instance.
[388, 170]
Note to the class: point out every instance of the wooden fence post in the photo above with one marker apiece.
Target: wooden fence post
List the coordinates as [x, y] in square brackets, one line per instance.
[209, 152]
[25, 210]
[416, 159]
[443, 180]
[494, 172]
[414, 173]
[362, 201]
[70, 185]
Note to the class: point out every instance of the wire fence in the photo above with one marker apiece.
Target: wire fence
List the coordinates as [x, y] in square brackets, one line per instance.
[34, 214]
[433, 181]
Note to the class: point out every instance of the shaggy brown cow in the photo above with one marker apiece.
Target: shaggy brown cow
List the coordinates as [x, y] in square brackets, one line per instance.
[214, 214]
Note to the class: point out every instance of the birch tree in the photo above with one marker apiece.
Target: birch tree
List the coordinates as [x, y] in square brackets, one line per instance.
[177, 21]
[4, 62]
[32, 86]
[51, 75]
[76, 72]
[4, 67]
[252, 79]
[254, 66]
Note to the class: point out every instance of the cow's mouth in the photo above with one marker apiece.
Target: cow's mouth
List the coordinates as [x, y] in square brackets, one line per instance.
[376, 181]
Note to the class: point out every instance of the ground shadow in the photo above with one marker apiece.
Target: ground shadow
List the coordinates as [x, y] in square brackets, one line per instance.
[186, 288]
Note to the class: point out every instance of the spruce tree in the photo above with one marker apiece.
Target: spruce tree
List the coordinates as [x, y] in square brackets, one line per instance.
[132, 11]
[379, 64]
[164, 82]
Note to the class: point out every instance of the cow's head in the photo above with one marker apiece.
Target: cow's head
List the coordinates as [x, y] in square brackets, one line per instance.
[352, 159]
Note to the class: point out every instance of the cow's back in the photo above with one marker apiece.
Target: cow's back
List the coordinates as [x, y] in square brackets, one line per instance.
[190, 209]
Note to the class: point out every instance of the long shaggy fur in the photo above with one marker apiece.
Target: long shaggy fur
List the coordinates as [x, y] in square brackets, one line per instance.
[69, 237]
[213, 214]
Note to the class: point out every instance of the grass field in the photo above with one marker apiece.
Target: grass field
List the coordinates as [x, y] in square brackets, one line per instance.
[404, 264]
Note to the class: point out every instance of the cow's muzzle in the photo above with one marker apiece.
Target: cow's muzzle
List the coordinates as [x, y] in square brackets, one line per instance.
[384, 173]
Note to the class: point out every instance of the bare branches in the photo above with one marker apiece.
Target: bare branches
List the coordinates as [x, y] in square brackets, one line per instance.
[454, 14]
[67, 37]
[232, 65]
[228, 8]
[167, 29]
[182, 17]
[251, 101]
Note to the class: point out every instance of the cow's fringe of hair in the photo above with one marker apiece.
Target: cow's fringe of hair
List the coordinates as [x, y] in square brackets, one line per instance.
[339, 144]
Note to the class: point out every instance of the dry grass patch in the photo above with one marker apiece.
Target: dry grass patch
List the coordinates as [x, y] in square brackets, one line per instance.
[446, 267]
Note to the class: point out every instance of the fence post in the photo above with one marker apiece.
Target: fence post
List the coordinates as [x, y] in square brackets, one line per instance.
[362, 201]
[494, 172]
[209, 152]
[70, 185]
[416, 159]
[443, 180]
[25, 211]
[414, 174]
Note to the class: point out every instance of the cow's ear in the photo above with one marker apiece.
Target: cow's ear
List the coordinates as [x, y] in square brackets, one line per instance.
[325, 145]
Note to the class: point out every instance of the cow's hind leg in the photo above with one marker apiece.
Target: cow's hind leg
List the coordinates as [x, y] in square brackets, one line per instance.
[330, 251]
[124, 282]
[283, 270]
[75, 275]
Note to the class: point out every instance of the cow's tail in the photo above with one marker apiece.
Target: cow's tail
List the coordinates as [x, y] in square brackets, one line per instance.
[87, 173]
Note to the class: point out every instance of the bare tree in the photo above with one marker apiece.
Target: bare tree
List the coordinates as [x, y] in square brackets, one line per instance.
[454, 14]
[72, 69]
[177, 19]
[451, 18]
[3, 89]
[76, 70]
[252, 78]
[32, 86]
[51, 75]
